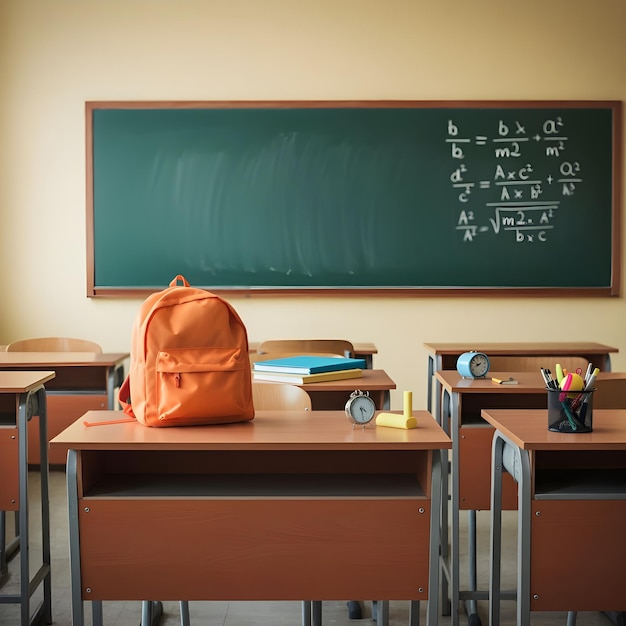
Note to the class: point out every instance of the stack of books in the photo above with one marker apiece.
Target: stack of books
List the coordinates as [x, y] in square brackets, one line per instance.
[299, 370]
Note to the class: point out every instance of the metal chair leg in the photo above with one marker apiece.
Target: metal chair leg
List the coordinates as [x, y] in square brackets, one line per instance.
[184, 613]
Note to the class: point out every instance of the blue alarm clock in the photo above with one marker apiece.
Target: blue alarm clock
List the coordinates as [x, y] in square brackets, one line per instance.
[472, 364]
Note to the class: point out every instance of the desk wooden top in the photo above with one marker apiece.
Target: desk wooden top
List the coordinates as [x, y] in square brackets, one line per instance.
[524, 348]
[527, 382]
[528, 428]
[372, 380]
[21, 382]
[60, 359]
[270, 430]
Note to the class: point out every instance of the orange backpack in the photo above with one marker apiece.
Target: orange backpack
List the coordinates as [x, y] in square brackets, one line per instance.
[189, 362]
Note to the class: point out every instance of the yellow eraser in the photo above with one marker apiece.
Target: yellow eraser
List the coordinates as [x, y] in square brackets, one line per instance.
[393, 420]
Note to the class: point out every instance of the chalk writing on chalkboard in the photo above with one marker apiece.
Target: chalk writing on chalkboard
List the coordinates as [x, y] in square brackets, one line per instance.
[534, 173]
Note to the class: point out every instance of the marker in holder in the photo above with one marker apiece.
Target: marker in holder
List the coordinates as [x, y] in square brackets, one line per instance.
[570, 411]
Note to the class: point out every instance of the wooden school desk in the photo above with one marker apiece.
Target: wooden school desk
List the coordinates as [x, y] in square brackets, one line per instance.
[571, 543]
[302, 489]
[333, 394]
[470, 471]
[443, 356]
[22, 397]
[362, 350]
[84, 381]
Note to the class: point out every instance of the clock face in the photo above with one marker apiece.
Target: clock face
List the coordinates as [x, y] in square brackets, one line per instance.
[479, 365]
[360, 409]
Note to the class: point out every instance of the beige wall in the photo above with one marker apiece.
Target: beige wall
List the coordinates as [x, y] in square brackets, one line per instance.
[55, 54]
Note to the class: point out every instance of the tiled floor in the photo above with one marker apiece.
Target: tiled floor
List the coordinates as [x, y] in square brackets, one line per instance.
[256, 613]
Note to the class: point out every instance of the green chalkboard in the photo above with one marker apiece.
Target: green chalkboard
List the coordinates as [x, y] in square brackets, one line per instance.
[355, 197]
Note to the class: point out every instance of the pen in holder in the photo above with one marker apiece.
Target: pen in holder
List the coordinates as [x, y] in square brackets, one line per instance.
[570, 411]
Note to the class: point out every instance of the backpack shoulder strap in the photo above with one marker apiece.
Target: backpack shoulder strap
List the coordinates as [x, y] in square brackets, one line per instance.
[124, 400]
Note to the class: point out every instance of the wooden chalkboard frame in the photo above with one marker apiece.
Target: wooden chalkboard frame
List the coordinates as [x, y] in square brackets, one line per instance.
[610, 290]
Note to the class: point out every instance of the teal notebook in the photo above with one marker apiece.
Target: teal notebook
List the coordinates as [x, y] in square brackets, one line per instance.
[308, 364]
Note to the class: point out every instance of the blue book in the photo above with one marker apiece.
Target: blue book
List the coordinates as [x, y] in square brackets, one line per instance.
[308, 364]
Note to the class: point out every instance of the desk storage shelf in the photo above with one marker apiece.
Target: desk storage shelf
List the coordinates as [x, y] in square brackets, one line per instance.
[312, 513]
[581, 484]
[577, 475]
[304, 486]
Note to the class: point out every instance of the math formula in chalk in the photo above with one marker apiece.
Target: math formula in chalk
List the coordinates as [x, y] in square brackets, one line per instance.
[512, 179]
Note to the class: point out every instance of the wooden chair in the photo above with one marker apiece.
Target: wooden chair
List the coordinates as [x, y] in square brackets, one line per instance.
[279, 397]
[54, 344]
[255, 357]
[340, 347]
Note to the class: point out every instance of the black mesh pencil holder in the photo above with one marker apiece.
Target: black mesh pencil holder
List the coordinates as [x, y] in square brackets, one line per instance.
[570, 411]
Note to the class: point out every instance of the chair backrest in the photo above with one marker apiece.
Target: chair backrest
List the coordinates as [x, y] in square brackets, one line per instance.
[340, 347]
[534, 363]
[54, 344]
[610, 391]
[268, 356]
[279, 397]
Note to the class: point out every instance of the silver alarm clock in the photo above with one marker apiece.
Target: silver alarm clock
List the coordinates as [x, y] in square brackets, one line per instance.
[360, 408]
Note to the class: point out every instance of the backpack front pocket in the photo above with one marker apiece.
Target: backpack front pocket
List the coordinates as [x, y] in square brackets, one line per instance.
[203, 386]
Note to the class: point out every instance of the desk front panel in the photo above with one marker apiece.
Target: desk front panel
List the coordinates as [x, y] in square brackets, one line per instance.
[254, 549]
[9, 477]
[333, 395]
[578, 555]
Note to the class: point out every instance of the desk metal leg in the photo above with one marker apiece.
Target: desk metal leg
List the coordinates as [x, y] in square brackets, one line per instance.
[78, 618]
[30, 404]
[44, 573]
[444, 422]
[432, 612]
[151, 612]
[470, 605]
[507, 456]
[184, 613]
[382, 612]
[429, 379]
[496, 531]
[96, 613]
[455, 526]
[414, 613]
[23, 513]
[316, 613]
